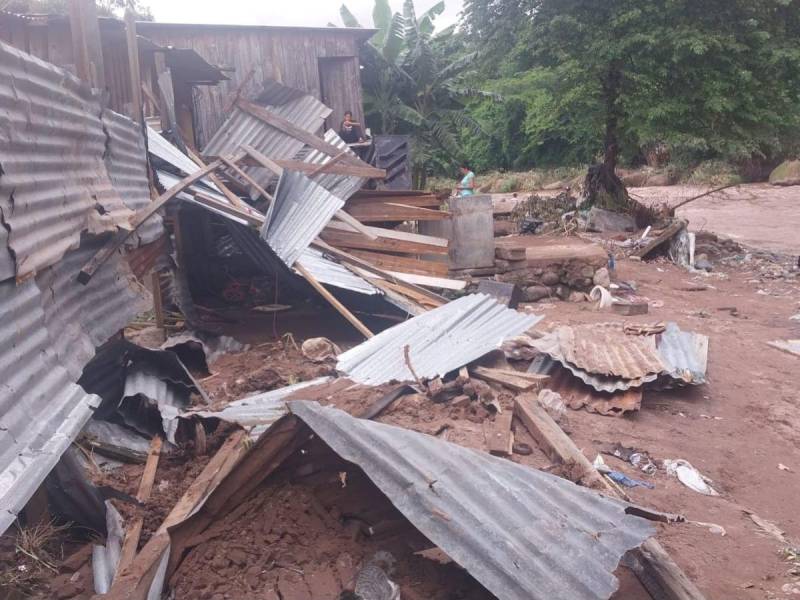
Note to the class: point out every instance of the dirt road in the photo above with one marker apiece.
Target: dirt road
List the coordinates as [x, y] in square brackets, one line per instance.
[759, 215]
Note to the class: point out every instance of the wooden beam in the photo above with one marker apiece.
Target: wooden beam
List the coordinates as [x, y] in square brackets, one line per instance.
[657, 571]
[241, 173]
[362, 170]
[355, 224]
[395, 234]
[256, 220]
[386, 401]
[289, 128]
[426, 201]
[499, 437]
[516, 380]
[366, 266]
[404, 264]
[345, 239]
[325, 167]
[158, 301]
[389, 211]
[237, 93]
[134, 532]
[263, 161]
[341, 308]
[663, 237]
[432, 282]
[87, 48]
[133, 66]
[116, 242]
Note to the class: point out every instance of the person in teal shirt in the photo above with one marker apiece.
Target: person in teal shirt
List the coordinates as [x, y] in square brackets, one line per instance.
[467, 185]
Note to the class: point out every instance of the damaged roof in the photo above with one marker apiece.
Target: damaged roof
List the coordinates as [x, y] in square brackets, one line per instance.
[522, 533]
[441, 340]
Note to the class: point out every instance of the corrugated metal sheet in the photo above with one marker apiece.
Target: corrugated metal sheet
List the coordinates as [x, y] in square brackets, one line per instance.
[300, 211]
[51, 151]
[83, 317]
[168, 398]
[342, 186]
[258, 411]
[332, 273]
[685, 354]
[241, 128]
[160, 147]
[522, 533]
[439, 341]
[126, 163]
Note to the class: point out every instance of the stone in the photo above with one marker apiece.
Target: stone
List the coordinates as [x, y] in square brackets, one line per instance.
[238, 556]
[577, 297]
[703, 265]
[787, 173]
[535, 293]
[508, 294]
[510, 252]
[562, 292]
[587, 271]
[607, 221]
[551, 278]
[602, 277]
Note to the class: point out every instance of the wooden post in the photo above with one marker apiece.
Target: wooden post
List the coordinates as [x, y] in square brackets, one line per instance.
[241, 173]
[133, 66]
[86, 47]
[333, 301]
[158, 301]
[134, 532]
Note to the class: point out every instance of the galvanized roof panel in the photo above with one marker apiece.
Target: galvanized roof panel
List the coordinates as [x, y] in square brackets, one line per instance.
[51, 151]
[332, 273]
[439, 341]
[126, 163]
[241, 128]
[301, 210]
[169, 399]
[342, 186]
[522, 533]
[684, 353]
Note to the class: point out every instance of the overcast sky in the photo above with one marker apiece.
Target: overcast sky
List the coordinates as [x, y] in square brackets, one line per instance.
[308, 13]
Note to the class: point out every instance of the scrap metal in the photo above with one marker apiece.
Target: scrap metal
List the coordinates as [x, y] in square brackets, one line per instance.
[301, 210]
[685, 355]
[522, 533]
[439, 341]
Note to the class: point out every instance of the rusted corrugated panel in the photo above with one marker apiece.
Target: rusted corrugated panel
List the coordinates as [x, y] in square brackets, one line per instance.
[126, 163]
[301, 210]
[522, 533]
[439, 341]
[41, 410]
[51, 152]
[241, 128]
[343, 186]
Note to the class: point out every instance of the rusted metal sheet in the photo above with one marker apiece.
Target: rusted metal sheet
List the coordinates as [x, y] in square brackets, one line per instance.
[126, 163]
[522, 533]
[54, 182]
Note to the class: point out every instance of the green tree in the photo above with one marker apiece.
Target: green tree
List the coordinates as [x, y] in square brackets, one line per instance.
[105, 8]
[413, 83]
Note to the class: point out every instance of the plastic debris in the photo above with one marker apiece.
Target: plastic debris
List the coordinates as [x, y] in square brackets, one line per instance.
[320, 349]
[623, 479]
[689, 476]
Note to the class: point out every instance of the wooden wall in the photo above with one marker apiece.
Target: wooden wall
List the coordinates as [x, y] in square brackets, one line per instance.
[288, 55]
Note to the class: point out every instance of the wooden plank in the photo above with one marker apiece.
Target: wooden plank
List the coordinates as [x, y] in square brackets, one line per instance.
[116, 242]
[346, 257]
[433, 282]
[158, 302]
[133, 66]
[355, 224]
[388, 211]
[386, 401]
[426, 201]
[341, 308]
[657, 571]
[344, 239]
[133, 582]
[363, 170]
[262, 161]
[499, 437]
[253, 218]
[325, 167]
[134, 532]
[516, 380]
[289, 128]
[252, 182]
[232, 198]
[389, 288]
[663, 237]
[403, 264]
[395, 234]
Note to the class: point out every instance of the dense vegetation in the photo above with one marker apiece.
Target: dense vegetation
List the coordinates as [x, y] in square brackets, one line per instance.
[582, 81]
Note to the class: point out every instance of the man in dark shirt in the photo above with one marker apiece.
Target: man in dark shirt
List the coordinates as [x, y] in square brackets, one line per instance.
[350, 131]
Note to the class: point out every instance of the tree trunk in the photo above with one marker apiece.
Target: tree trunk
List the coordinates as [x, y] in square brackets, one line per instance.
[602, 187]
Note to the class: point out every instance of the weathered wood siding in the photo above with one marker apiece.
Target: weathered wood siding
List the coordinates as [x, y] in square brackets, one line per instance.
[288, 55]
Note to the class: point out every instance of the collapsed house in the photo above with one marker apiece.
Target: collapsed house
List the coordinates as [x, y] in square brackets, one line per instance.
[249, 202]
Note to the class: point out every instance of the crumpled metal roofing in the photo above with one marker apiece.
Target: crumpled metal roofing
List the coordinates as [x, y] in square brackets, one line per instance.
[168, 398]
[684, 353]
[126, 163]
[53, 179]
[522, 533]
[342, 186]
[158, 145]
[241, 128]
[301, 210]
[441, 340]
[332, 273]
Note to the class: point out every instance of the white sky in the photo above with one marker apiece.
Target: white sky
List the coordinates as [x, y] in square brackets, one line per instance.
[305, 13]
